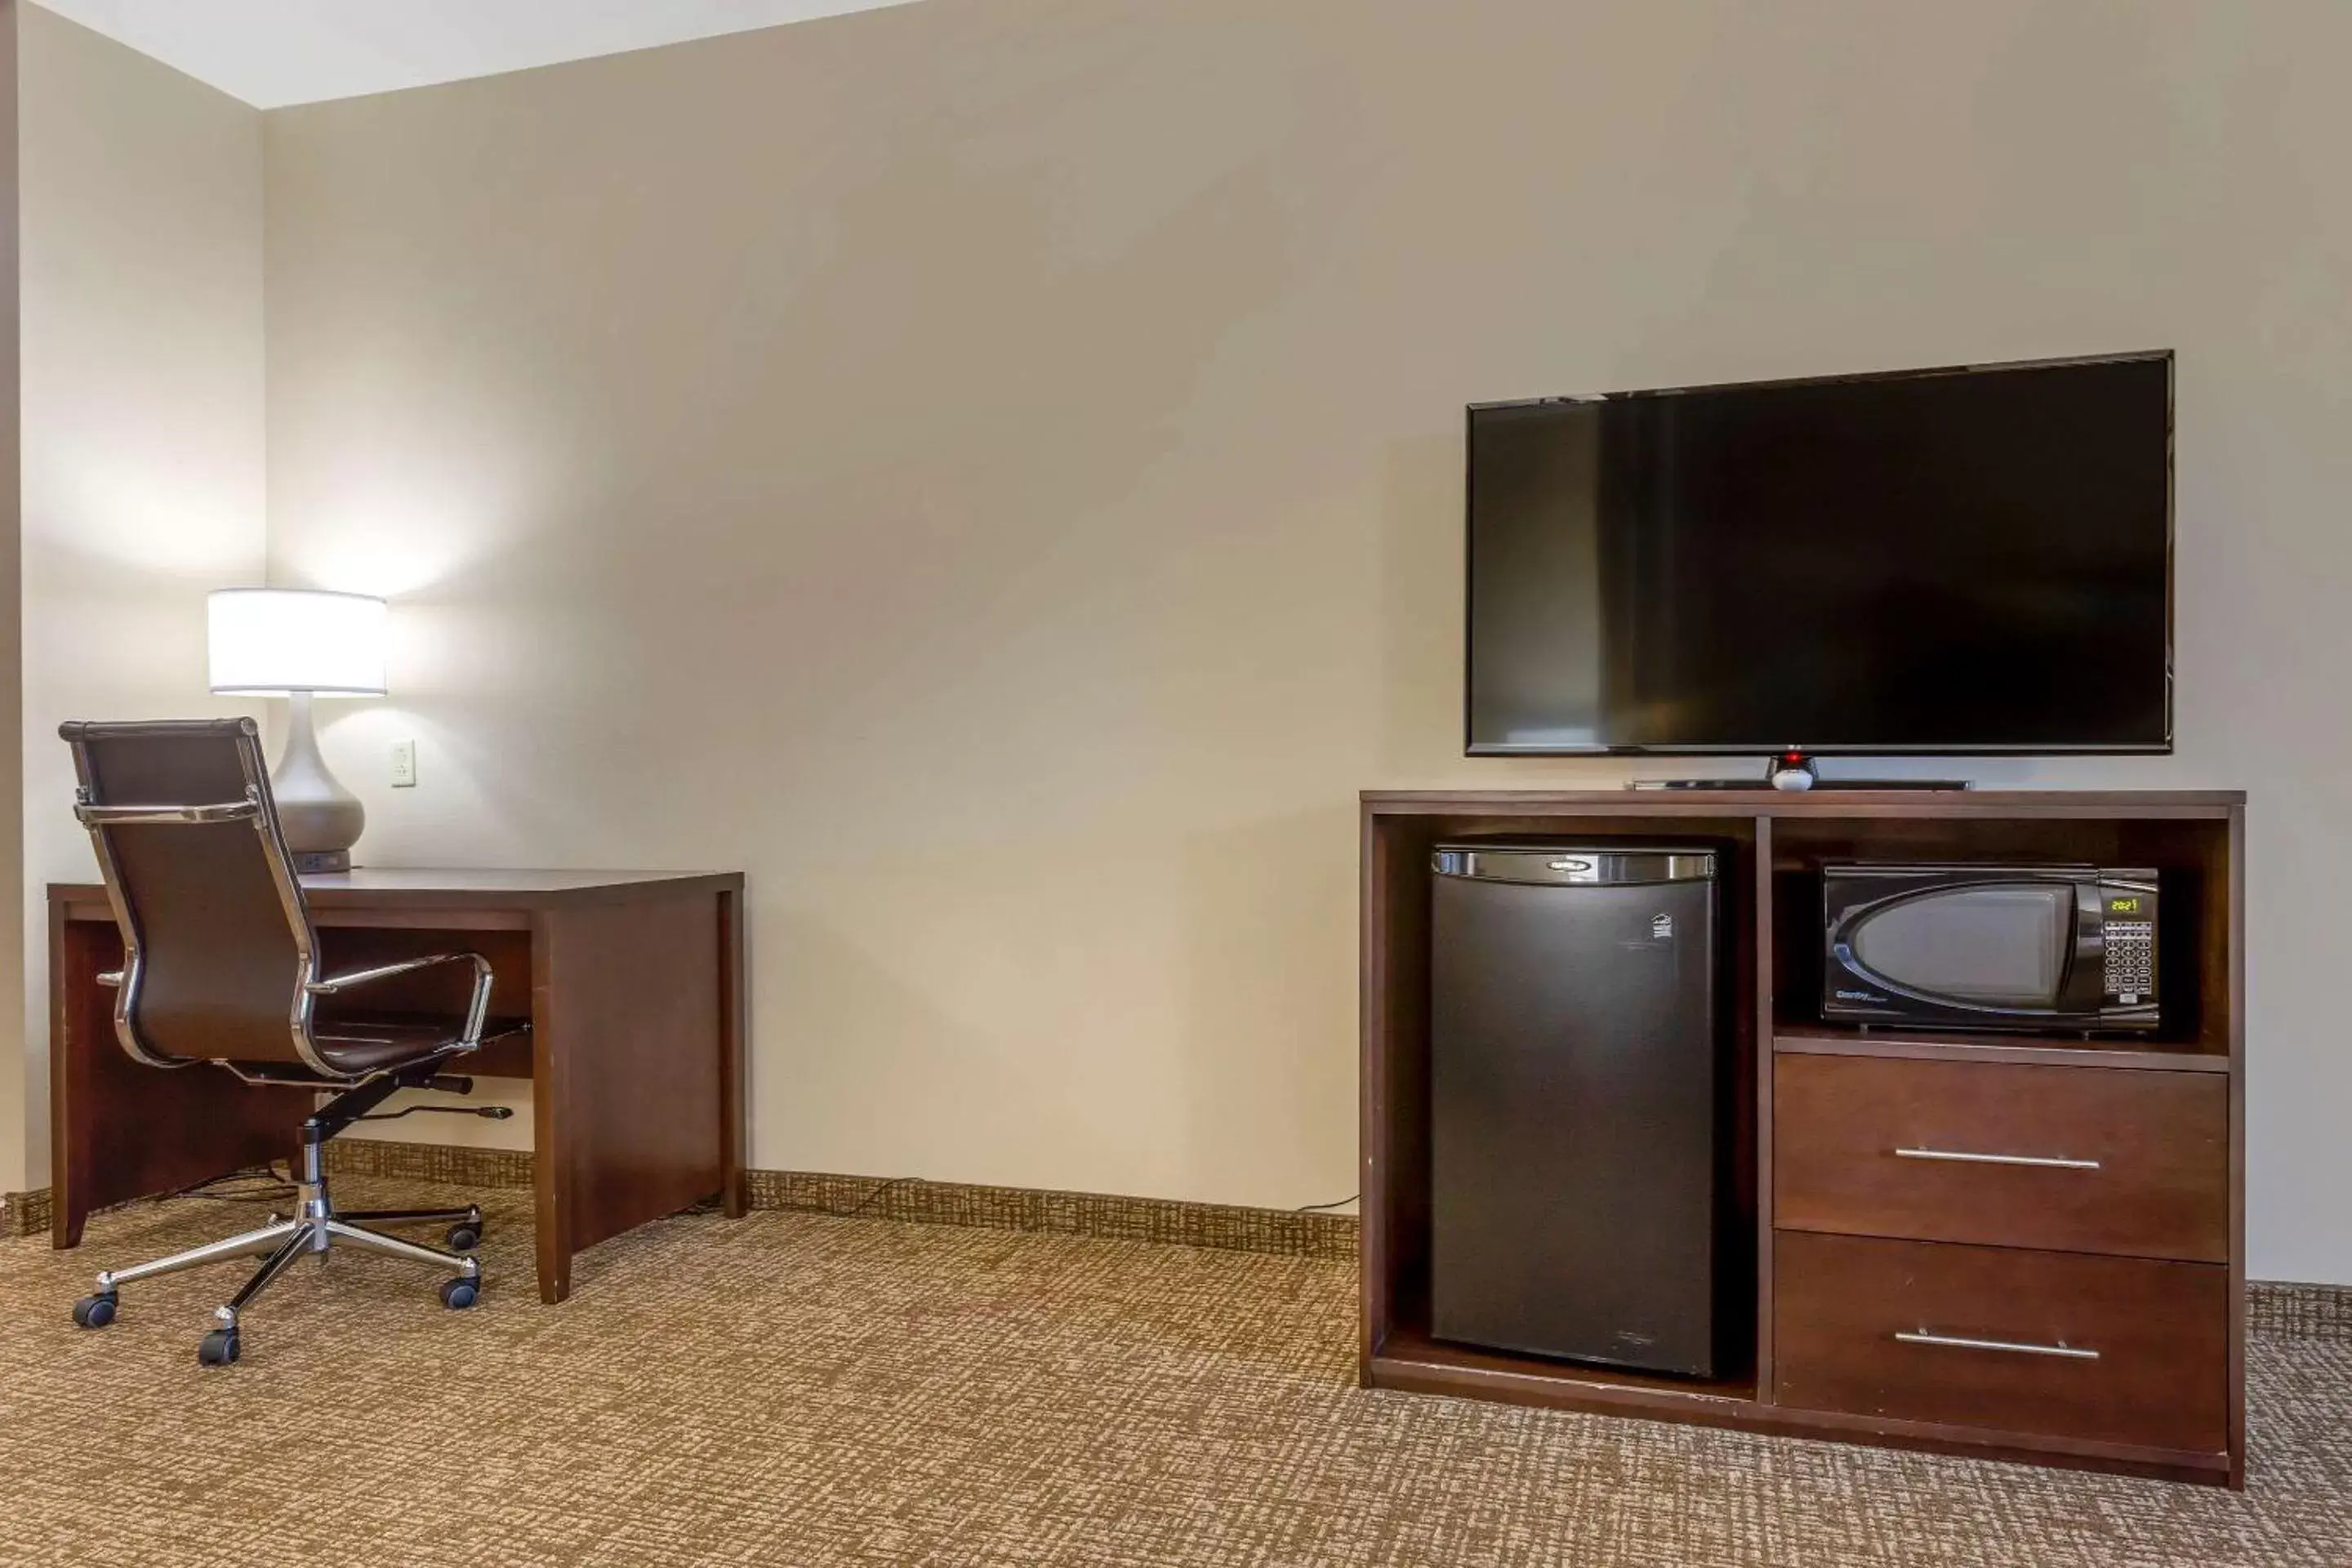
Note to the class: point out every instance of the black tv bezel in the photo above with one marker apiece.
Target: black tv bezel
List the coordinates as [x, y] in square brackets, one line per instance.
[1472, 747]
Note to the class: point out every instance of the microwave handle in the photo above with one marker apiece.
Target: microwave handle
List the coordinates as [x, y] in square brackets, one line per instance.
[2087, 965]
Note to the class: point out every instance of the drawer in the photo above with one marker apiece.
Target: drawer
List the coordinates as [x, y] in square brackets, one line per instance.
[2072, 1159]
[2116, 1350]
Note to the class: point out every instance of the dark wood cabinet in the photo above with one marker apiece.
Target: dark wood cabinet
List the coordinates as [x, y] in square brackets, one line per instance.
[2077, 1300]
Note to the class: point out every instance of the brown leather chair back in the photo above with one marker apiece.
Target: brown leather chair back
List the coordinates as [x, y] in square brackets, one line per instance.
[218, 950]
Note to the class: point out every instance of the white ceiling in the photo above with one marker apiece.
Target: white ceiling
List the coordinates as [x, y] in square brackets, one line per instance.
[272, 52]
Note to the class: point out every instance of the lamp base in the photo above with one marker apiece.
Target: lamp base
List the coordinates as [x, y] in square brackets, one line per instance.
[321, 819]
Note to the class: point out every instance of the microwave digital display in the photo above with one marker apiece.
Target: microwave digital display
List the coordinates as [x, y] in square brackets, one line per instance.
[1999, 947]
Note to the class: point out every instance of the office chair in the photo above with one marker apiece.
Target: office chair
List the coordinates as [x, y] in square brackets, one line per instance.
[220, 970]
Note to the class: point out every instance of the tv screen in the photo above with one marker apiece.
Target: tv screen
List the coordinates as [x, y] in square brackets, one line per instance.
[1949, 561]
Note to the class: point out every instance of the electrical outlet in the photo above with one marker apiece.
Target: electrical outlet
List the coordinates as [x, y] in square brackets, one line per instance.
[403, 765]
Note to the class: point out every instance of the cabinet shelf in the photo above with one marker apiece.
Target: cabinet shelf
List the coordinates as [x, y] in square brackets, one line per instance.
[1411, 1360]
[2024, 1050]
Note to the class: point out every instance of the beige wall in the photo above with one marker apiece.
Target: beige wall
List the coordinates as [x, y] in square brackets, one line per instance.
[143, 485]
[991, 469]
[13, 1129]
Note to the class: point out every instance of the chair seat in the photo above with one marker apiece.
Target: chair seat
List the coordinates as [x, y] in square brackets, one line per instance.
[358, 1046]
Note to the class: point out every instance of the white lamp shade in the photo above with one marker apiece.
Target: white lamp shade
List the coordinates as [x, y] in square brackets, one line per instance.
[273, 642]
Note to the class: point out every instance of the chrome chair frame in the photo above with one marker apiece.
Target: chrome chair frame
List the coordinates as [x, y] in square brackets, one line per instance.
[309, 987]
[317, 1225]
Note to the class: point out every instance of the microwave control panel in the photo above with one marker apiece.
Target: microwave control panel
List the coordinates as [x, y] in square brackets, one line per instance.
[2127, 927]
[2131, 961]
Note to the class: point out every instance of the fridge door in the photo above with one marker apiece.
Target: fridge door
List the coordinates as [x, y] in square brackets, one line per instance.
[1574, 1076]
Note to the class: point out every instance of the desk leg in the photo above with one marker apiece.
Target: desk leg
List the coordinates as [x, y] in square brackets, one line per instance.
[630, 1055]
[734, 1109]
[551, 1127]
[121, 1130]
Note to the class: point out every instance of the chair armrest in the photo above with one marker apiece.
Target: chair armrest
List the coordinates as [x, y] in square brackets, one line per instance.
[326, 985]
[175, 816]
[476, 1014]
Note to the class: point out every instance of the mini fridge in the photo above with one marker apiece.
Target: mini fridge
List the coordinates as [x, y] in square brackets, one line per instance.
[1577, 1093]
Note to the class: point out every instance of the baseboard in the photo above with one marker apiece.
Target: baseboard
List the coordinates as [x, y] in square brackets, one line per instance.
[24, 1213]
[451, 1164]
[1229, 1226]
[2300, 1311]
[1232, 1227]
[2304, 1311]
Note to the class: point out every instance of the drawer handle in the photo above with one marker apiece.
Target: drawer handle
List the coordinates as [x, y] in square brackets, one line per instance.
[2041, 1161]
[1955, 1342]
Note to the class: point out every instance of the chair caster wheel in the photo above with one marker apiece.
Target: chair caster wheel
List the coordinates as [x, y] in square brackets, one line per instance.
[218, 1348]
[460, 1293]
[94, 1311]
[465, 1238]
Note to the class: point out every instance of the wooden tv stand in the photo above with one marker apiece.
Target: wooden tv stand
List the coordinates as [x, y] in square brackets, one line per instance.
[2141, 1259]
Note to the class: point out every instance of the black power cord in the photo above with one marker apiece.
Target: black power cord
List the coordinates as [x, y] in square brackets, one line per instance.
[261, 1184]
[870, 1199]
[1334, 1204]
[489, 1112]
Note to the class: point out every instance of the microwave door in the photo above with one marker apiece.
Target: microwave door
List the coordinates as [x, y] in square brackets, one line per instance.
[1998, 948]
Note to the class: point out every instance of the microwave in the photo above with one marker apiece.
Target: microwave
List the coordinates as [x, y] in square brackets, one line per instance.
[1989, 947]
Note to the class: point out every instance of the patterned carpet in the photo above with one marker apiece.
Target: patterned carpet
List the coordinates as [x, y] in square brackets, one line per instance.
[804, 1389]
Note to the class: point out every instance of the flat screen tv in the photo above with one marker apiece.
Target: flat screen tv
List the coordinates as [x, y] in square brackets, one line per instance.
[1961, 561]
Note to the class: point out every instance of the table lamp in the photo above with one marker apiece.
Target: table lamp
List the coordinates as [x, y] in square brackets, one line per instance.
[281, 642]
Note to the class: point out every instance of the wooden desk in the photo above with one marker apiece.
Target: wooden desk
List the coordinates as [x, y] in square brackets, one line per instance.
[632, 983]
